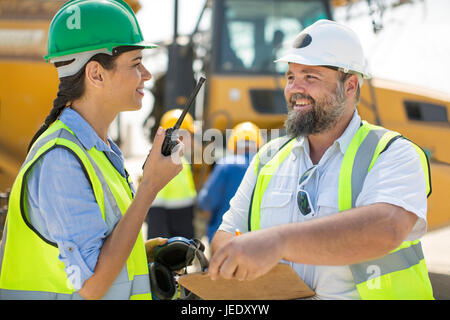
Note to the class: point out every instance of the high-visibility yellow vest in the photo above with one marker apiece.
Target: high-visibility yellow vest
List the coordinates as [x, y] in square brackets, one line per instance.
[402, 273]
[30, 268]
[180, 191]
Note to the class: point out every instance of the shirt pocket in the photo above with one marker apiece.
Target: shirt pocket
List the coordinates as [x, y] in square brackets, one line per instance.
[327, 202]
[275, 208]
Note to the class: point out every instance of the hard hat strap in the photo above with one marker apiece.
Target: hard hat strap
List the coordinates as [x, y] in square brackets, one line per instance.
[78, 61]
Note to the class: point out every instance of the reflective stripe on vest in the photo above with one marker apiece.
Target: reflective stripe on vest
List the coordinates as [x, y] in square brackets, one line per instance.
[266, 163]
[401, 274]
[37, 273]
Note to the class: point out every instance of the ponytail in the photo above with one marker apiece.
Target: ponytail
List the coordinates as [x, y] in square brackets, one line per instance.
[70, 89]
[58, 105]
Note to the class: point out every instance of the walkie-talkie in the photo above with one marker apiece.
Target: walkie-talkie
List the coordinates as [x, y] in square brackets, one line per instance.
[171, 139]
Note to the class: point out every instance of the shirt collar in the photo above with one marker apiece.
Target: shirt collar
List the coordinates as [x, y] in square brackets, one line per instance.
[300, 143]
[85, 133]
[343, 141]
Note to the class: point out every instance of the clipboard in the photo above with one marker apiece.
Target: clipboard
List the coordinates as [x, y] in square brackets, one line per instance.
[280, 283]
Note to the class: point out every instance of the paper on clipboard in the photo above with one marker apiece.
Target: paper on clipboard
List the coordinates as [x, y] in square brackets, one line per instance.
[280, 283]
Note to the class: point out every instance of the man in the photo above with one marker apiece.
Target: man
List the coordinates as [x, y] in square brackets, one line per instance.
[342, 201]
[227, 174]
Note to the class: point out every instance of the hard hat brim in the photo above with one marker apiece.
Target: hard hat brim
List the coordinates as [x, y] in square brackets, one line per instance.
[109, 47]
[307, 61]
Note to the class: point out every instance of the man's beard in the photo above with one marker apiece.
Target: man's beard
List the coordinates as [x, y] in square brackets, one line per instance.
[323, 115]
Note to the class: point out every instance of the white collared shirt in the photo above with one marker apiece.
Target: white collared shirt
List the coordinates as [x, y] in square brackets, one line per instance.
[397, 178]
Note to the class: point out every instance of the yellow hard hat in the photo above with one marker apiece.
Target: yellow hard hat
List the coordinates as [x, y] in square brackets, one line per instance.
[245, 131]
[169, 119]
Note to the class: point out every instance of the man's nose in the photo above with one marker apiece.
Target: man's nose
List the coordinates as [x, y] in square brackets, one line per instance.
[296, 86]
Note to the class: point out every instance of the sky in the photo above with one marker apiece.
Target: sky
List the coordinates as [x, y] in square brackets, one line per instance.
[413, 47]
[156, 17]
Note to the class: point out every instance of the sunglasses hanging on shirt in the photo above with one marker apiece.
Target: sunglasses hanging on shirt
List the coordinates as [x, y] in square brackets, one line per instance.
[304, 202]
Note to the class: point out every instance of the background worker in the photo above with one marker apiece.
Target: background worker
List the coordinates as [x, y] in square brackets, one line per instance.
[342, 201]
[74, 218]
[172, 212]
[227, 174]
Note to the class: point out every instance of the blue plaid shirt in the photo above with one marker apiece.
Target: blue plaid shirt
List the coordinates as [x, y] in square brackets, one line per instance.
[61, 203]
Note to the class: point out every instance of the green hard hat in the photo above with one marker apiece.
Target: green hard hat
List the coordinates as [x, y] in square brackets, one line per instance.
[87, 25]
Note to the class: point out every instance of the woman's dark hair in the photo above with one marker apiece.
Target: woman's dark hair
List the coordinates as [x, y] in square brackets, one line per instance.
[72, 87]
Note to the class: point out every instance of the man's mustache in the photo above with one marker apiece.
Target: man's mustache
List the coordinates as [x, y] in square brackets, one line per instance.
[297, 96]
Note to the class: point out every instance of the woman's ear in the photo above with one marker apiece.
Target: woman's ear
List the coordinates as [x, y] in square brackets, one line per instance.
[95, 74]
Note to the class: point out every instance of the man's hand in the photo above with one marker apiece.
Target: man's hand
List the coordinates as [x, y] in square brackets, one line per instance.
[150, 247]
[248, 256]
[352, 236]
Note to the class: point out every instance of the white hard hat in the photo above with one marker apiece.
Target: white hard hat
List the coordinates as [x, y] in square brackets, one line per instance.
[328, 43]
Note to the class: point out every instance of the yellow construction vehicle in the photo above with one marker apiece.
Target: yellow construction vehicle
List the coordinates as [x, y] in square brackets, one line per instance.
[235, 53]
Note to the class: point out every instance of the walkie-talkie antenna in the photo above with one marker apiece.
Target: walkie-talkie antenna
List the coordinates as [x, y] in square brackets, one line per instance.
[189, 103]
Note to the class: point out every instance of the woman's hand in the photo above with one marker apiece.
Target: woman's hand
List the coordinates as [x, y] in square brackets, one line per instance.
[159, 169]
[150, 247]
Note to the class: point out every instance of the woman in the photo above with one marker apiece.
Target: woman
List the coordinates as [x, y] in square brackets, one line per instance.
[74, 219]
